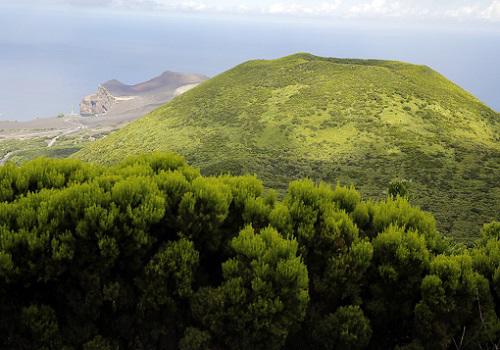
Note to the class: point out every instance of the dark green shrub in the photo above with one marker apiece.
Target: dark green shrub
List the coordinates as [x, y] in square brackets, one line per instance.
[149, 254]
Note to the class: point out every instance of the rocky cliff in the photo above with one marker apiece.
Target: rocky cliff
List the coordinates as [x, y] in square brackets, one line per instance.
[97, 104]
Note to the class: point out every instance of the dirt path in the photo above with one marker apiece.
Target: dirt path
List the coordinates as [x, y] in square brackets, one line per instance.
[79, 126]
[7, 156]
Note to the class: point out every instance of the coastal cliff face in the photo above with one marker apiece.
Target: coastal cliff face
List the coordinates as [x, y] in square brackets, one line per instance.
[97, 104]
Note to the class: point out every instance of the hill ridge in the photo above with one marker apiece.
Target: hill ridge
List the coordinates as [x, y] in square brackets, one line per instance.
[364, 123]
[166, 80]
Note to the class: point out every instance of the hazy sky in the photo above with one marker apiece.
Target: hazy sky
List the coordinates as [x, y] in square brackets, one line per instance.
[461, 11]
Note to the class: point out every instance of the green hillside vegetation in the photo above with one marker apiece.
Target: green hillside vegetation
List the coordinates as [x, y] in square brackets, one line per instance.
[32, 148]
[364, 122]
[149, 254]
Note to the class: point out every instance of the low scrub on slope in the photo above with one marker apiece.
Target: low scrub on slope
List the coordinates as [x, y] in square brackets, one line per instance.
[149, 254]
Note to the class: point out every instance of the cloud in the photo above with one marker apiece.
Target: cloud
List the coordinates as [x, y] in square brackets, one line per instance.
[476, 12]
[492, 12]
[376, 8]
[464, 12]
[172, 5]
[86, 3]
[467, 10]
[386, 9]
[324, 8]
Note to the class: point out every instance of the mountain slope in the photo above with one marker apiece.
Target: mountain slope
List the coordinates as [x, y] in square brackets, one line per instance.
[359, 121]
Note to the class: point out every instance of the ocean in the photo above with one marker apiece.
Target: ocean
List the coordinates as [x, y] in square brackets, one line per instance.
[51, 57]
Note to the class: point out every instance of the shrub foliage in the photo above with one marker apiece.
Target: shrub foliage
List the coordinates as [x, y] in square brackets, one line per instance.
[149, 254]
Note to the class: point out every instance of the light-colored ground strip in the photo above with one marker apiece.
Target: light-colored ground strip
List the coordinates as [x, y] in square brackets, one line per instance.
[7, 156]
[125, 98]
[185, 88]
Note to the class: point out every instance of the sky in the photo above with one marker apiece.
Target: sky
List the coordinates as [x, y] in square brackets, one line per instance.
[458, 11]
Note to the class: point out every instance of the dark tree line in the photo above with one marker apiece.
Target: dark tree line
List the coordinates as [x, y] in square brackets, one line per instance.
[149, 254]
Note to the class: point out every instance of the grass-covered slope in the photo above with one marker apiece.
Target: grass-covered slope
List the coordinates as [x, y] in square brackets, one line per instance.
[359, 121]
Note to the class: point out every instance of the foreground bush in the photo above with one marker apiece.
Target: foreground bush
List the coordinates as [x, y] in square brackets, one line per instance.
[149, 254]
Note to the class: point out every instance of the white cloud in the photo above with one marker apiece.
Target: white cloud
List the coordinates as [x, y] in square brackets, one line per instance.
[464, 12]
[324, 8]
[376, 8]
[191, 5]
[492, 12]
[456, 10]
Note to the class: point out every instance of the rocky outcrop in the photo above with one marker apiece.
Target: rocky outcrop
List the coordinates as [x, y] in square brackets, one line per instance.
[97, 104]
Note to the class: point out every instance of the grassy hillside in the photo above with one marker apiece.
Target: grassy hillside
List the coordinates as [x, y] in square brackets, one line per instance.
[355, 121]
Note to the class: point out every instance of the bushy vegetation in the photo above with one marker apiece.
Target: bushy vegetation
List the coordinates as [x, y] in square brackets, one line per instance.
[149, 254]
[364, 122]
